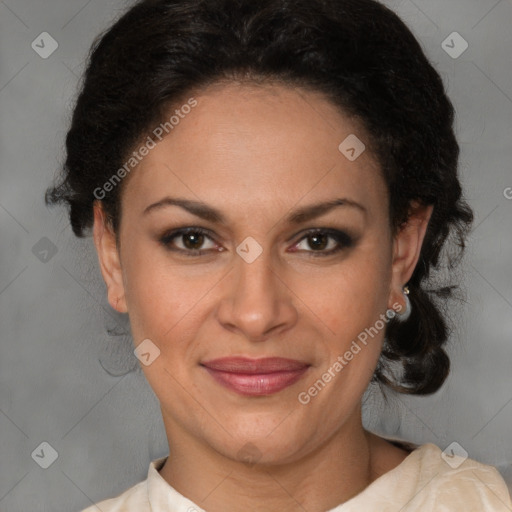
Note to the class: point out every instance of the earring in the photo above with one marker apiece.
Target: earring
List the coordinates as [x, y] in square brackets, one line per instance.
[402, 317]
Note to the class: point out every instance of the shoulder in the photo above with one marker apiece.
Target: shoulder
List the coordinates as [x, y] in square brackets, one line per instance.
[151, 495]
[450, 482]
[133, 499]
[423, 478]
[138, 497]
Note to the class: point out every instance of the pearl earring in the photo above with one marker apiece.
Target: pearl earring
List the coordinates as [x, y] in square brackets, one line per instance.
[401, 317]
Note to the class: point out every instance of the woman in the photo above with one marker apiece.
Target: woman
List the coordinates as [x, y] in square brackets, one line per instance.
[269, 186]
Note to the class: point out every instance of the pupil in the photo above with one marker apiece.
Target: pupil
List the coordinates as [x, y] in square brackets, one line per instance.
[318, 241]
[193, 240]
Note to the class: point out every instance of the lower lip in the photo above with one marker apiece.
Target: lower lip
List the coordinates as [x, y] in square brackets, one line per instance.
[257, 385]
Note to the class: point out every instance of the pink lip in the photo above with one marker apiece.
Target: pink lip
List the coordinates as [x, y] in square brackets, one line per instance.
[256, 377]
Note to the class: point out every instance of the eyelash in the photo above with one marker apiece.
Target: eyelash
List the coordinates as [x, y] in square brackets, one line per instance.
[342, 239]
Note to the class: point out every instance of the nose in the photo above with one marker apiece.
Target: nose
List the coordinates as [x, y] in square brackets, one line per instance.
[256, 301]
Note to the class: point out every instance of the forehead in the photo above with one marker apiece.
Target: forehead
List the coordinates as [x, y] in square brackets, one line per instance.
[260, 144]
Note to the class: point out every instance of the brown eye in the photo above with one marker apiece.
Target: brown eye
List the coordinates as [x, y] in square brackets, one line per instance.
[190, 241]
[324, 242]
[318, 241]
[193, 240]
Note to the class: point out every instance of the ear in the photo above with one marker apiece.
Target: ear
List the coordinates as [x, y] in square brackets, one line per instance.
[109, 260]
[406, 249]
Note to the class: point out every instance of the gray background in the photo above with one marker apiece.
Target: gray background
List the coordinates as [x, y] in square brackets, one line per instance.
[66, 381]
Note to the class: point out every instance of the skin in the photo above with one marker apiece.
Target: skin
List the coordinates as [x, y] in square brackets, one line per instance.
[256, 154]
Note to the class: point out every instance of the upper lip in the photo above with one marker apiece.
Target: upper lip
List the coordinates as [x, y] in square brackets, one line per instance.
[246, 365]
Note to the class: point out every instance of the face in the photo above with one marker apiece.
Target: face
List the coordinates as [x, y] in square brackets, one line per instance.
[287, 254]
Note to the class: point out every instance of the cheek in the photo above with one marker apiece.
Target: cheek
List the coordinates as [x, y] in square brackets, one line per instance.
[158, 305]
[348, 297]
[350, 304]
[157, 295]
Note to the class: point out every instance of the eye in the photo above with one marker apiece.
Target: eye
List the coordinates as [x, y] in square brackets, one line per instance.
[196, 241]
[190, 241]
[324, 242]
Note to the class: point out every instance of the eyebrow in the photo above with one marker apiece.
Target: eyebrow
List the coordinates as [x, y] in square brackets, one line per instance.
[208, 213]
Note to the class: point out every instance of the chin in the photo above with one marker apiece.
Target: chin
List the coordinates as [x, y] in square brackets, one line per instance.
[266, 443]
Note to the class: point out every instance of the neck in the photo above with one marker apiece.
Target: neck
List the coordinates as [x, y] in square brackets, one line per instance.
[329, 475]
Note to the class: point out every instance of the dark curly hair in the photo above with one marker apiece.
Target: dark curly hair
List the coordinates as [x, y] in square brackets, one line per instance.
[358, 53]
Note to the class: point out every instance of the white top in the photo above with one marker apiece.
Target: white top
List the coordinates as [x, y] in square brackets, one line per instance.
[423, 481]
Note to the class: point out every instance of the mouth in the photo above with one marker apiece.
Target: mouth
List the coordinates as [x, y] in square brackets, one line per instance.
[256, 377]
